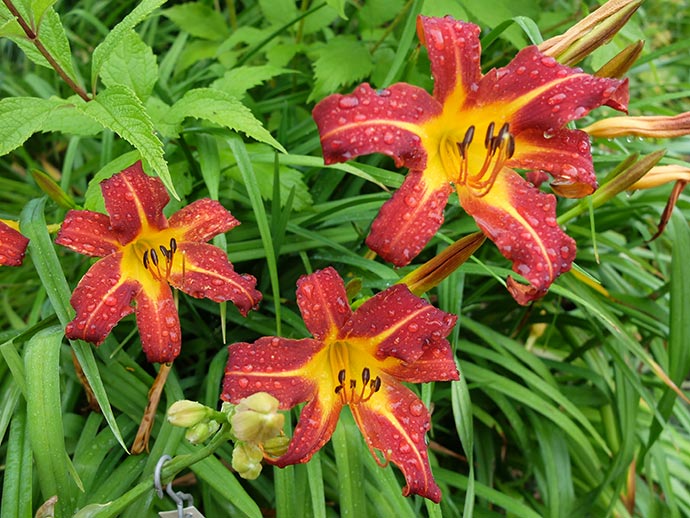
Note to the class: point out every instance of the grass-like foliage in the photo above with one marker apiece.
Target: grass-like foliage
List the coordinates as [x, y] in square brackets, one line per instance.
[574, 405]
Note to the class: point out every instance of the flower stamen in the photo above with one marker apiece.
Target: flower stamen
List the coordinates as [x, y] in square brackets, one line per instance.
[499, 148]
[372, 385]
[151, 256]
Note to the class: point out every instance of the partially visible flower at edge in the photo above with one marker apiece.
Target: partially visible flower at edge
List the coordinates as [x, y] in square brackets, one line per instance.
[473, 133]
[653, 126]
[12, 243]
[358, 359]
[142, 253]
[660, 175]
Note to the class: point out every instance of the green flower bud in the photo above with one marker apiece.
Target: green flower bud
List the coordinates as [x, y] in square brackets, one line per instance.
[246, 460]
[276, 446]
[256, 418]
[201, 431]
[186, 413]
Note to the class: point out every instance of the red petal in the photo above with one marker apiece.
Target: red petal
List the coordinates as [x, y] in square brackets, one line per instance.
[274, 365]
[408, 221]
[565, 155]
[399, 323]
[206, 272]
[159, 324]
[435, 364]
[454, 53]
[368, 121]
[395, 422]
[322, 300]
[88, 233]
[101, 299]
[134, 202]
[286, 369]
[316, 424]
[540, 93]
[202, 220]
[521, 220]
[12, 246]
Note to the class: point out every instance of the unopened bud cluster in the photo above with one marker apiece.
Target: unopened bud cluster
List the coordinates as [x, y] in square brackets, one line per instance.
[256, 425]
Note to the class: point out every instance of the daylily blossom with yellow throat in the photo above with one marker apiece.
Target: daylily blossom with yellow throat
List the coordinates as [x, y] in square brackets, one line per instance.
[143, 253]
[12, 244]
[358, 358]
[473, 133]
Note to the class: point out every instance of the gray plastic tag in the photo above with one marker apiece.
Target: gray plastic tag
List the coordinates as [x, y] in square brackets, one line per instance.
[187, 512]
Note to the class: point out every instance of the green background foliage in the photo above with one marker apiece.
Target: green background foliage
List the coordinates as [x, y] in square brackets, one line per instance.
[561, 410]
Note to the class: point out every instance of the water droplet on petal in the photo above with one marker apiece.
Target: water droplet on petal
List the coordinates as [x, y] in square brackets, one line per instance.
[548, 61]
[349, 101]
[243, 382]
[388, 137]
[416, 408]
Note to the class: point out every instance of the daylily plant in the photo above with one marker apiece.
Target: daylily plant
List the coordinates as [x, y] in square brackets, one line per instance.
[143, 253]
[358, 358]
[12, 244]
[473, 133]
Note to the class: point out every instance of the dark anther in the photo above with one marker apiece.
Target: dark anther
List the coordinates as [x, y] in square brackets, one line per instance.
[166, 253]
[154, 257]
[376, 384]
[145, 259]
[511, 146]
[469, 135]
[341, 376]
[353, 384]
[173, 245]
[488, 140]
[505, 130]
[366, 375]
[338, 389]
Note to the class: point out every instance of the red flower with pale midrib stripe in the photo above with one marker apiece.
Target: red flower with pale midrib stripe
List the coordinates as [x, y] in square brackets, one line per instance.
[143, 254]
[358, 358]
[472, 134]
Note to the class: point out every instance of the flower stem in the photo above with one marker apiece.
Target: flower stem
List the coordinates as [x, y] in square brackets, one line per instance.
[32, 35]
[169, 471]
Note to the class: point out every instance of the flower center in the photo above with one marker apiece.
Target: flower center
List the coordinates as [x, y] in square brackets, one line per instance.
[462, 160]
[159, 261]
[350, 392]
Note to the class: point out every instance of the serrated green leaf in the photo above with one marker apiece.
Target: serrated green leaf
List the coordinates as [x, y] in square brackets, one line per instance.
[21, 117]
[133, 64]
[289, 179]
[375, 13]
[54, 39]
[222, 109]
[338, 6]
[38, 9]
[67, 117]
[111, 41]
[341, 61]
[199, 20]
[119, 109]
[277, 12]
[237, 81]
[9, 27]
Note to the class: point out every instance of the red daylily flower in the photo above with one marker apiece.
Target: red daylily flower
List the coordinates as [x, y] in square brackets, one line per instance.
[359, 359]
[12, 244]
[472, 133]
[142, 252]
